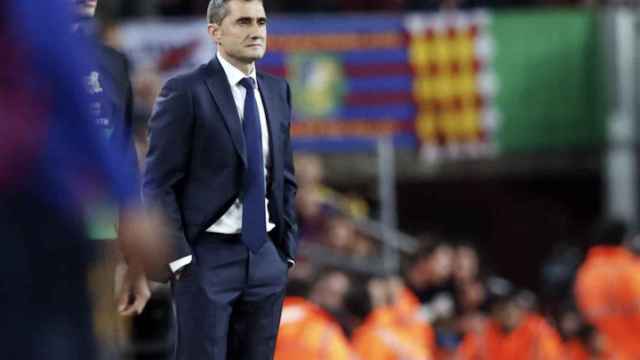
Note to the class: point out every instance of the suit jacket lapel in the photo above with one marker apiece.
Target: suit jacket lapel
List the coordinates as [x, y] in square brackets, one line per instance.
[271, 111]
[219, 87]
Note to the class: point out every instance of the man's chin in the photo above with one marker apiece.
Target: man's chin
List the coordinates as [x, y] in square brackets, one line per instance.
[255, 54]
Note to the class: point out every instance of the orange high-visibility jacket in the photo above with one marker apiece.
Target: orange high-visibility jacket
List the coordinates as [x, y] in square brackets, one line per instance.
[308, 333]
[395, 332]
[534, 339]
[575, 350]
[608, 294]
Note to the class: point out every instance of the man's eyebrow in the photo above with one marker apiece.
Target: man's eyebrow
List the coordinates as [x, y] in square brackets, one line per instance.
[249, 18]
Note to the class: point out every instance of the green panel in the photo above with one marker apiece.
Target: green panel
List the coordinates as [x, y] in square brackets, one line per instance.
[548, 73]
[101, 220]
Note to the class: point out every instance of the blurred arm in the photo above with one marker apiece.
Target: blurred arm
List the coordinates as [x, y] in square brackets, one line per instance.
[170, 131]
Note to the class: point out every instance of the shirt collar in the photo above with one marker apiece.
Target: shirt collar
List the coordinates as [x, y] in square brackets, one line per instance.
[234, 75]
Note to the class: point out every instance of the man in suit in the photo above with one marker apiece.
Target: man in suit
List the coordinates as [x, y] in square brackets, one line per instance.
[110, 98]
[220, 165]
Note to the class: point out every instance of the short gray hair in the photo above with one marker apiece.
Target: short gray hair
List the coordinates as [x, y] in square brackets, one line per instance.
[218, 10]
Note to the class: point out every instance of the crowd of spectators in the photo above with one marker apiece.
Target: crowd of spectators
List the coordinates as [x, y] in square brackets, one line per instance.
[446, 302]
[119, 8]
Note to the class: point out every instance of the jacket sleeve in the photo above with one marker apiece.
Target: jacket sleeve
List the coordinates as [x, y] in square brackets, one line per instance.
[290, 188]
[170, 134]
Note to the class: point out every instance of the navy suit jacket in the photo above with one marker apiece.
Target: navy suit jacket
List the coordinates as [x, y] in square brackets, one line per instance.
[196, 161]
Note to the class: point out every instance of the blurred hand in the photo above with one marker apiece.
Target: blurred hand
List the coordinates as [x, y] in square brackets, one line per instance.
[143, 241]
[131, 289]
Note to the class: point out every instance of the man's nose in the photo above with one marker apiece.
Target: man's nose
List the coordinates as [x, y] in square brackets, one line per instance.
[255, 36]
[257, 31]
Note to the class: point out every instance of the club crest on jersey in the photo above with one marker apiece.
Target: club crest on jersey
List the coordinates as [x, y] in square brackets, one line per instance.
[93, 83]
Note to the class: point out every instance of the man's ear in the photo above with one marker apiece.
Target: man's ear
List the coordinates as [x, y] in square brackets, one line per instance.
[214, 32]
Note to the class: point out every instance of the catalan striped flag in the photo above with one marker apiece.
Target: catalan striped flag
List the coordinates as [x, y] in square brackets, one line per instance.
[454, 83]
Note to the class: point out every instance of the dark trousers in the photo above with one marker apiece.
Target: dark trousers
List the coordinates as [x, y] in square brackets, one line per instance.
[228, 302]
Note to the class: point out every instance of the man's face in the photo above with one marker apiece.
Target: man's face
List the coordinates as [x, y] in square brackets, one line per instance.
[242, 34]
[85, 7]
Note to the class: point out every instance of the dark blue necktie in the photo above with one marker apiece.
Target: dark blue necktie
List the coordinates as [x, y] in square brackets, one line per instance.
[254, 227]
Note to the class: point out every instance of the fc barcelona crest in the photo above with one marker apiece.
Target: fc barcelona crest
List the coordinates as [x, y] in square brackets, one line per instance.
[93, 83]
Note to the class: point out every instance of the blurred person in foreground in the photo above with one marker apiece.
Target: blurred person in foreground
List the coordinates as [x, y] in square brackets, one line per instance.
[607, 290]
[52, 166]
[220, 166]
[511, 332]
[110, 98]
[395, 329]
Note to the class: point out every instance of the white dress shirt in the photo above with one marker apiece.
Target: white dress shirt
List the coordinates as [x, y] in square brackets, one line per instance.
[231, 221]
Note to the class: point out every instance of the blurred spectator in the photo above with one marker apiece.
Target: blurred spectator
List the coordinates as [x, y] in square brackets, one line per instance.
[430, 277]
[512, 332]
[311, 214]
[360, 300]
[470, 296]
[341, 233]
[575, 349]
[569, 322]
[308, 332]
[368, 5]
[558, 271]
[309, 201]
[608, 289]
[330, 289]
[575, 334]
[362, 246]
[309, 170]
[195, 7]
[327, 217]
[146, 88]
[466, 263]
[470, 291]
[397, 330]
[430, 273]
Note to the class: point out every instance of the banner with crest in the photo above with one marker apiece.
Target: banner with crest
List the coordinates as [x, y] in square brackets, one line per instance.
[450, 85]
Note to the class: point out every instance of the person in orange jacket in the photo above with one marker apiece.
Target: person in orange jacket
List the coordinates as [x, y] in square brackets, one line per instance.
[574, 332]
[607, 290]
[310, 333]
[510, 333]
[592, 346]
[395, 331]
[574, 349]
